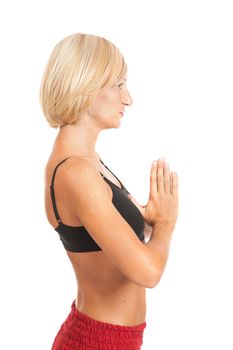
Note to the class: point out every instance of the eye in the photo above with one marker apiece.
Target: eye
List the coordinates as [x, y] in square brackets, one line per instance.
[122, 83]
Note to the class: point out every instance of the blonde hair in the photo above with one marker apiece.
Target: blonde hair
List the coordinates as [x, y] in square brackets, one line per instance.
[79, 67]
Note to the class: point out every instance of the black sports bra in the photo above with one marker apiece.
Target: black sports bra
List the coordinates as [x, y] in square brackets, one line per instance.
[77, 238]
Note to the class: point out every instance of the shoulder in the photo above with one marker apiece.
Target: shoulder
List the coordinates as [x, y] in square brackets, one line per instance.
[77, 174]
[80, 164]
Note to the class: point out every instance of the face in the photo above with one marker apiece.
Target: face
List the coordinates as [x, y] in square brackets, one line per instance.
[109, 105]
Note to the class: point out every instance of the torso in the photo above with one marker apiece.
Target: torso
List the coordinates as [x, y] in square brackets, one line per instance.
[104, 293]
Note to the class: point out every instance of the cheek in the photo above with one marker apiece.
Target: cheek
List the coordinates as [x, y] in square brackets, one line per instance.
[104, 104]
[109, 97]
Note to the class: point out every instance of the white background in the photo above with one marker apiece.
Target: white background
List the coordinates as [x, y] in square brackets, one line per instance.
[180, 60]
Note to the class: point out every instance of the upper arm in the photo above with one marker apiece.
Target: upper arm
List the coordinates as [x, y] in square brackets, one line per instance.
[85, 194]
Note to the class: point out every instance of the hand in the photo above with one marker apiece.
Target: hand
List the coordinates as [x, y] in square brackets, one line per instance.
[162, 205]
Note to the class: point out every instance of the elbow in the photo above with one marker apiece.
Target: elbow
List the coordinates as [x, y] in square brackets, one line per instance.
[150, 280]
[148, 272]
[152, 283]
[153, 272]
[157, 267]
[153, 279]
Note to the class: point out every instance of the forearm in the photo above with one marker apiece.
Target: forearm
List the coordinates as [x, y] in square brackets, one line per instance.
[158, 246]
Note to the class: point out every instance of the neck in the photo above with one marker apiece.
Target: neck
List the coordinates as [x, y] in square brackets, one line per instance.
[77, 139]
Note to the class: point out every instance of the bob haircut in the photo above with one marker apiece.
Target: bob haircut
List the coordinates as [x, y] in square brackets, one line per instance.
[79, 67]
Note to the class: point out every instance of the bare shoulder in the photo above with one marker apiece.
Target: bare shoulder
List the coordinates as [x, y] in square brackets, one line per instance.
[77, 178]
[80, 169]
[69, 166]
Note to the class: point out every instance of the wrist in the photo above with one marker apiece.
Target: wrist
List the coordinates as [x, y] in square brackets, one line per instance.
[164, 226]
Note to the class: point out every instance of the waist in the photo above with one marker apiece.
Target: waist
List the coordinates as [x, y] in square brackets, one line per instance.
[127, 309]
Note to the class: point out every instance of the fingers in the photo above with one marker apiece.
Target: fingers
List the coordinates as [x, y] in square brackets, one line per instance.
[167, 178]
[161, 180]
[160, 176]
[175, 184]
[153, 177]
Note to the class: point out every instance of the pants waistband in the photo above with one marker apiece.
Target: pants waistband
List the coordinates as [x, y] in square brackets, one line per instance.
[91, 321]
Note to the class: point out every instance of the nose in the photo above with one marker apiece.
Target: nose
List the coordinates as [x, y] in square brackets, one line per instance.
[126, 98]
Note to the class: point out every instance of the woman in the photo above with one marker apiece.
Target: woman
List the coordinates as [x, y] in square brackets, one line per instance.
[101, 226]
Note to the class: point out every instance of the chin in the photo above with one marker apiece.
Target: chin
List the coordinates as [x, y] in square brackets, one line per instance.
[115, 124]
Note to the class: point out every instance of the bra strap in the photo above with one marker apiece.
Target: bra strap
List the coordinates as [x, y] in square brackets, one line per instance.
[122, 186]
[52, 191]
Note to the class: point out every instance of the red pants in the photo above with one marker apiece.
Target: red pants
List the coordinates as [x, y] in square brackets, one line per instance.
[80, 332]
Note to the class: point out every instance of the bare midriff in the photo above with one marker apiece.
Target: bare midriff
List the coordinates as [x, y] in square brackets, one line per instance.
[104, 293]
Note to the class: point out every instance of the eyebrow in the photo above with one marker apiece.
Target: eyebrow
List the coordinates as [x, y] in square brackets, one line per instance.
[124, 79]
[120, 81]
